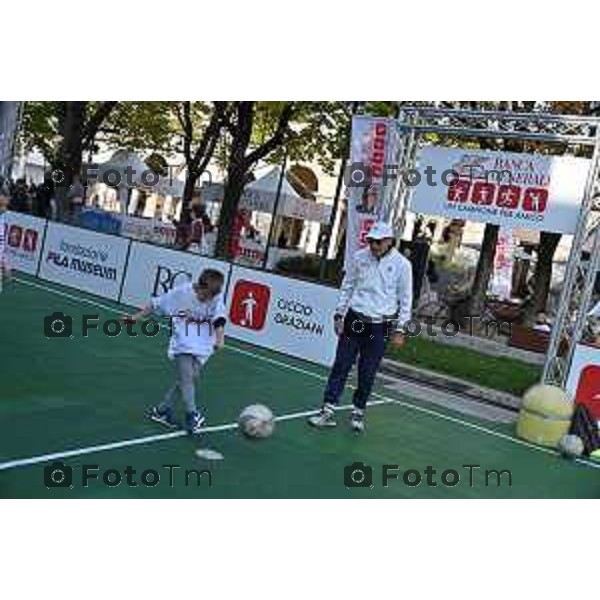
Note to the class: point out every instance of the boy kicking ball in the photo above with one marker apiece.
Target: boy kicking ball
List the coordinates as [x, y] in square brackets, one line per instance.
[197, 318]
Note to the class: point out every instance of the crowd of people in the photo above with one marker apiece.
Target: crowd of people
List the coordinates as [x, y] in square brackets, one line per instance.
[29, 198]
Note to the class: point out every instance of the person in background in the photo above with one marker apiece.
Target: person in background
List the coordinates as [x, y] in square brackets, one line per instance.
[20, 201]
[197, 226]
[430, 234]
[75, 198]
[541, 323]
[282, 240]
[206, 222]
[43, 198]
[182, 235]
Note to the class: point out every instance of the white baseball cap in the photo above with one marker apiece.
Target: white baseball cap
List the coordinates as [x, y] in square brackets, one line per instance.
[380, 231]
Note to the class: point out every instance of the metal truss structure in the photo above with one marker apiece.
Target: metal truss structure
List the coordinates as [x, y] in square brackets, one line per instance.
[571, 134]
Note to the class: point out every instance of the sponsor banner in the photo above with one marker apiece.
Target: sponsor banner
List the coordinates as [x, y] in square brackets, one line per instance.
[87, 260]
[583, 383]
[153, 271]
[148, 230]
[376, 143]
[501, 282]
[503, 188]
[293, 317]
[24, 236]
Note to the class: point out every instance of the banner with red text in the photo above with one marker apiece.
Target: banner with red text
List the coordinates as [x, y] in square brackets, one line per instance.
[513, 190]
[376, 143]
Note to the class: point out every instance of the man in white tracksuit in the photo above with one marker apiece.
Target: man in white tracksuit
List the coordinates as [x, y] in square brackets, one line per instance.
[375, 302]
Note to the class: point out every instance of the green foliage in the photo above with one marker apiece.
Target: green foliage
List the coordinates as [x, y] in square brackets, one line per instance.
[40, 128]
[140, 126]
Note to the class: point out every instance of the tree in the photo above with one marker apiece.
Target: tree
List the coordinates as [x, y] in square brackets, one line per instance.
[242, 120]
[63, 131]
[201, 128]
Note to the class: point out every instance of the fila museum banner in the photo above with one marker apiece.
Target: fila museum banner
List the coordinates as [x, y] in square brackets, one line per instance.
[509, 189]
[86, 260]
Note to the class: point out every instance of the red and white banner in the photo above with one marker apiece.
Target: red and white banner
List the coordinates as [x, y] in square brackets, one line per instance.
[282, 314]
[376, 143]
[24, 237]
[501, 282]
[583, 383]
[148, 230]
[504, 188]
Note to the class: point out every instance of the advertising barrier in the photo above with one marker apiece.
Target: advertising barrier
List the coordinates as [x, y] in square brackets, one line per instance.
[153, 271]
[293, 317]
[583, 383]
[24, 237]
[87, 260]
[270, 311]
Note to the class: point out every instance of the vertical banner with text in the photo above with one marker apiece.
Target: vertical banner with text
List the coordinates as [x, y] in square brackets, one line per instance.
[371, 178]
[501, 283]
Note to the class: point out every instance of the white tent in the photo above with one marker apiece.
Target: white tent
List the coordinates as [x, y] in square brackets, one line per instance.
[269, 183]
[262, 193]
[118, 163]
[260, 196]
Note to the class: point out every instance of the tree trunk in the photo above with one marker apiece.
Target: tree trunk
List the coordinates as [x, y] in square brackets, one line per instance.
[188, 196]
[542, 275]
[485, 266]
[229, 207]
[71, 150]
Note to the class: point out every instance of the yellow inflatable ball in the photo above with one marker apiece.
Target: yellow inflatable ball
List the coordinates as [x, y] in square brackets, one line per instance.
[545, 415]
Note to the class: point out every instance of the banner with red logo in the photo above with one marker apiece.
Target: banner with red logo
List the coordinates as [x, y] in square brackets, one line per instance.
[583, 383]
[24, 236]
[153, 271]
[371, 187]
[282, 314]
[503, 188]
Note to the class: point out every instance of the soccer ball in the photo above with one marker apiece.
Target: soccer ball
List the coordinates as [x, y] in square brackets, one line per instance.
[570, 446]
[257, 421]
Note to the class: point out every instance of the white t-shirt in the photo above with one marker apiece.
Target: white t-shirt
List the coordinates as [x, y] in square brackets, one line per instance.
[193, 330]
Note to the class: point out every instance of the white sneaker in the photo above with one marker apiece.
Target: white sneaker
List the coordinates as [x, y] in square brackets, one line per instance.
[357, 420]
[324, 418]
